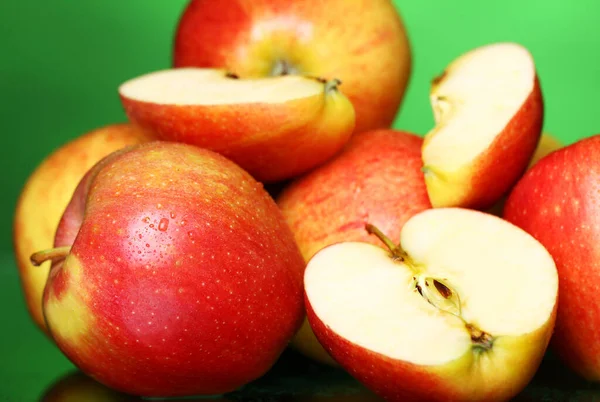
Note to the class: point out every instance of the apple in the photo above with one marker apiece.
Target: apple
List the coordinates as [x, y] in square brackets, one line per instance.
[461, 310]
[274, 127]
[489, 111]
[174, 273]
[364, 44]
[558, 203]
[377, 178]
[547, 144]
[52, 184]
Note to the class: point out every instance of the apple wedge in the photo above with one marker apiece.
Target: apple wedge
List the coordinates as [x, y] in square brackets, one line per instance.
[462, 310]
[488, 110]
[274, 127]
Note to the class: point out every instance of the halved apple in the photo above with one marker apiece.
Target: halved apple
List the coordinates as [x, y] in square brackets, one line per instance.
[462, 310]
[488, 108]
[274, 127]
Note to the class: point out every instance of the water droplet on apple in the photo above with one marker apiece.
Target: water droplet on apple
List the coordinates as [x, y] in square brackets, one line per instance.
[146, 219]
[182, 222]
[173, 215]
[190, 234]
[163, 224]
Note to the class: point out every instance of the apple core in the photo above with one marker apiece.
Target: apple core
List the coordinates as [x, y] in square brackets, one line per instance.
[436, 291]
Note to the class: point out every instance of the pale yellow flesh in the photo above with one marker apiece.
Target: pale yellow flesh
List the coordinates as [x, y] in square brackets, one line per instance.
[479, 94]
[506, 280]
[198, 86]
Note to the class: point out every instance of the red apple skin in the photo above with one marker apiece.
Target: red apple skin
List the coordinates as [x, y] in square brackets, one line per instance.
[52, 184]
[182, 279]
[498, 168]
[363, 43]
[558, 202]
[272, 142]
[377, 179]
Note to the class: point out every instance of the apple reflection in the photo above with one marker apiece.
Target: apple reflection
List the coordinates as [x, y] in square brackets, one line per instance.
[78, 387]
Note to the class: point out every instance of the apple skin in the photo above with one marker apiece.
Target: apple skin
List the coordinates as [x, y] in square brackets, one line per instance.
[182, 279]
[272, 141]
[384, 375]
[364, 44]
[558, 203]
[376, 179]
[52, 184]
[546, 145]
[495, 171]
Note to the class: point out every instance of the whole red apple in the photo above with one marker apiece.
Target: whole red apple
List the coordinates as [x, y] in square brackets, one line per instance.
[377, 178]
[558, 202]
[362, 43]
[175, 274]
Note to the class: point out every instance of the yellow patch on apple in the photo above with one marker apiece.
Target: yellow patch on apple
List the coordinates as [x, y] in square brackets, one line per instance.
[67, 315]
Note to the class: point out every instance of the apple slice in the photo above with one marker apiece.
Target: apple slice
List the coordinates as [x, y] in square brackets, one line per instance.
[274, 127]
[462, 310]
[488, 109]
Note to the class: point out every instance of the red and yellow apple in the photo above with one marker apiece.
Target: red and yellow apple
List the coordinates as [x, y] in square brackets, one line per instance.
[558, 203]
[461, 310]
[362, 43]
[274, 127]
[174, 274]
[45, 196]
[489, 111]
[377, 178]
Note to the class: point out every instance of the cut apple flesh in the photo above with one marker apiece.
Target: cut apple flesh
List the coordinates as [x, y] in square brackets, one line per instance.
[474, 100]
[197, 86]
[467, 279]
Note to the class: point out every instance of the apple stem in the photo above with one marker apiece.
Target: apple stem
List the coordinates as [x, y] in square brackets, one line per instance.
[397, 252]
[53, 254]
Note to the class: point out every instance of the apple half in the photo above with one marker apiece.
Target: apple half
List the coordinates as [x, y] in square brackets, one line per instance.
[488, 110]
[463, 309]
[274, 127]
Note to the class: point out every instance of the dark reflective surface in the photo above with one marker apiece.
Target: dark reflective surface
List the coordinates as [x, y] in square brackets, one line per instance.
[295, 379]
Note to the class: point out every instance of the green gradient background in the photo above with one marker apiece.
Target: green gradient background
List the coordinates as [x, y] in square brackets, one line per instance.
[61, 63]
